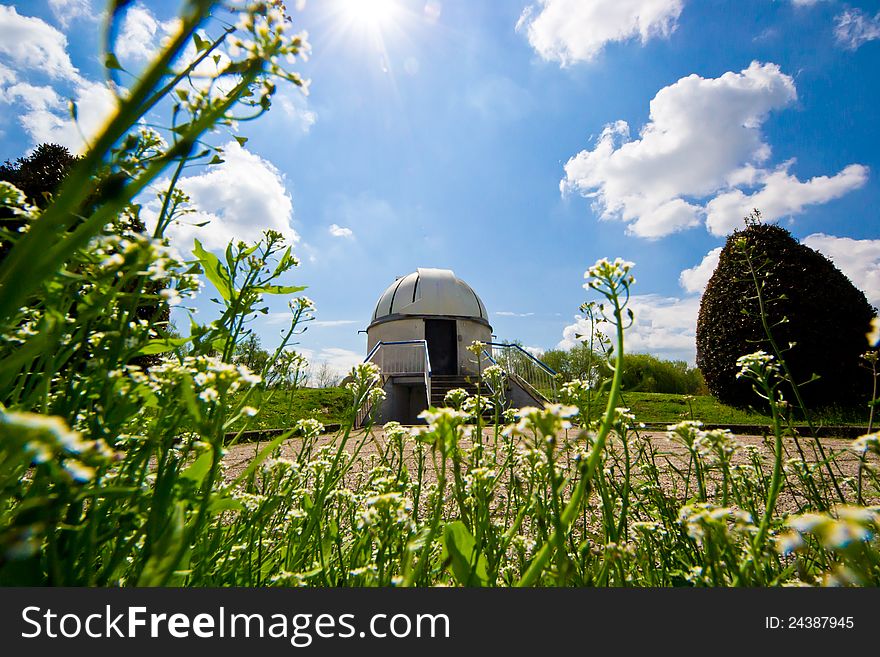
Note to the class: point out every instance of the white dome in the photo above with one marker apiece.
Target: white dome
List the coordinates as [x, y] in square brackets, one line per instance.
[430, 292]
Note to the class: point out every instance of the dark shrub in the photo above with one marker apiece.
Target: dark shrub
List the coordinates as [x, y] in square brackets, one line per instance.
[808, 302]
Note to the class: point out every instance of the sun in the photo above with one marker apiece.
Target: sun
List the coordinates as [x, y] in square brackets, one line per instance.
[369, 15]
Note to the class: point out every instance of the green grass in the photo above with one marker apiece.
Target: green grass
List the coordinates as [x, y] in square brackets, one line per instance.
[654, 407]
[281, 409]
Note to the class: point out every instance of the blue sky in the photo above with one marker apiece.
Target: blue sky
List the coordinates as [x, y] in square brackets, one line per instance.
[515, 142]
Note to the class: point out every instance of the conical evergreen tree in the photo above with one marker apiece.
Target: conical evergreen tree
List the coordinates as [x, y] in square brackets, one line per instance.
[817, 317]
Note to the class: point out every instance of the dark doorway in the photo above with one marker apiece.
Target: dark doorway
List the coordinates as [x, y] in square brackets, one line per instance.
[442, 345]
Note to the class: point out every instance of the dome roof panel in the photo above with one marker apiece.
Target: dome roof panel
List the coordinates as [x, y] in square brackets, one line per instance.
[428, 291]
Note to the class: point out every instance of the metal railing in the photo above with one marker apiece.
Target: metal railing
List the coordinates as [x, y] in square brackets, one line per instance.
[399, 358]
[524, 368]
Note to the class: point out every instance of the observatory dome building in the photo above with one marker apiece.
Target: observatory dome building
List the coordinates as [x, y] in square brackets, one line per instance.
[419, 336]
[435, 306]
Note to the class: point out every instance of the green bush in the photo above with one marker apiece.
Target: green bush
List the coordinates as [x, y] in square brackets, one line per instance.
[641, 372]
[647, 373]
[816, 316]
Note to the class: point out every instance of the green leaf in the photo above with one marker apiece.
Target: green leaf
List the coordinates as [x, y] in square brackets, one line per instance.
[189, 398]
[163, 558]
[279, 289]
[161, 346]
[201, 44]
[262, 456]
[111, 62]
[460, 551]
[214, 270]
[199, 469]
[221, 504]
[241, 140]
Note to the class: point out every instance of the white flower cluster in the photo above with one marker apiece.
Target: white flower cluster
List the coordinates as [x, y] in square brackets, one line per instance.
[385, 508]
[703, 517]
[836, 530]
[609, 275]
[210, 376]
[868, 443]
[309, 428]
[13, 198]
[755, 364]
[47, 439]
[546, 422]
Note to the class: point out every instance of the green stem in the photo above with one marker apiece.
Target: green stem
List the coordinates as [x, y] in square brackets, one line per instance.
[589, 468]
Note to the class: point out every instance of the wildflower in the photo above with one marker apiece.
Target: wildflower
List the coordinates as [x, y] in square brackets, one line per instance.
[79, 471]
[476, 347]
[309, 428]
[376, 396]
[719, 442]
[209, 395]
[113, 262]
[866, 443]
[755, 363]
[547, 422]
[576, 392]
[609, 275]
[684, 432]
[171, 296]
[495, 377]
[704, 517]
[302, 304]
[455, 398]
[51, 427]
[836, 530]
[249, 411]
[13, 198]
[438, 415]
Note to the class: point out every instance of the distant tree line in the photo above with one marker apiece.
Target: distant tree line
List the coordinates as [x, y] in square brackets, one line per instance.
[641, 372]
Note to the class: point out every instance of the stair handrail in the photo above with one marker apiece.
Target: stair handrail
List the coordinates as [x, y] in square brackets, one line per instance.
[425, 370]
[544, 375]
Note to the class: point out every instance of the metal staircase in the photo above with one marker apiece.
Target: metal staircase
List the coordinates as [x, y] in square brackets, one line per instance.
[529, 380]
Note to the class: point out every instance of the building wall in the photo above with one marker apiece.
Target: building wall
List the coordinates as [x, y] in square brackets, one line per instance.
[469, 332]
[405, 399]
[413, 328]
[401, 329]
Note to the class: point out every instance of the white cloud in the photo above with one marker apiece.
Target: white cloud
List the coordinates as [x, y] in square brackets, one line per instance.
[570, 31]
[339, 360]
[67, 11]
[703, 138]
[331, 323]
[294, 104]
[664, 326]
[32, 46]
[30, 42]
[241, 198]
[141, 33]
[340, 231]
[858, 259]
[7, 75]
[854, 27]
[782, 194]
[694, 280]
[46, 116]
[507, 313]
